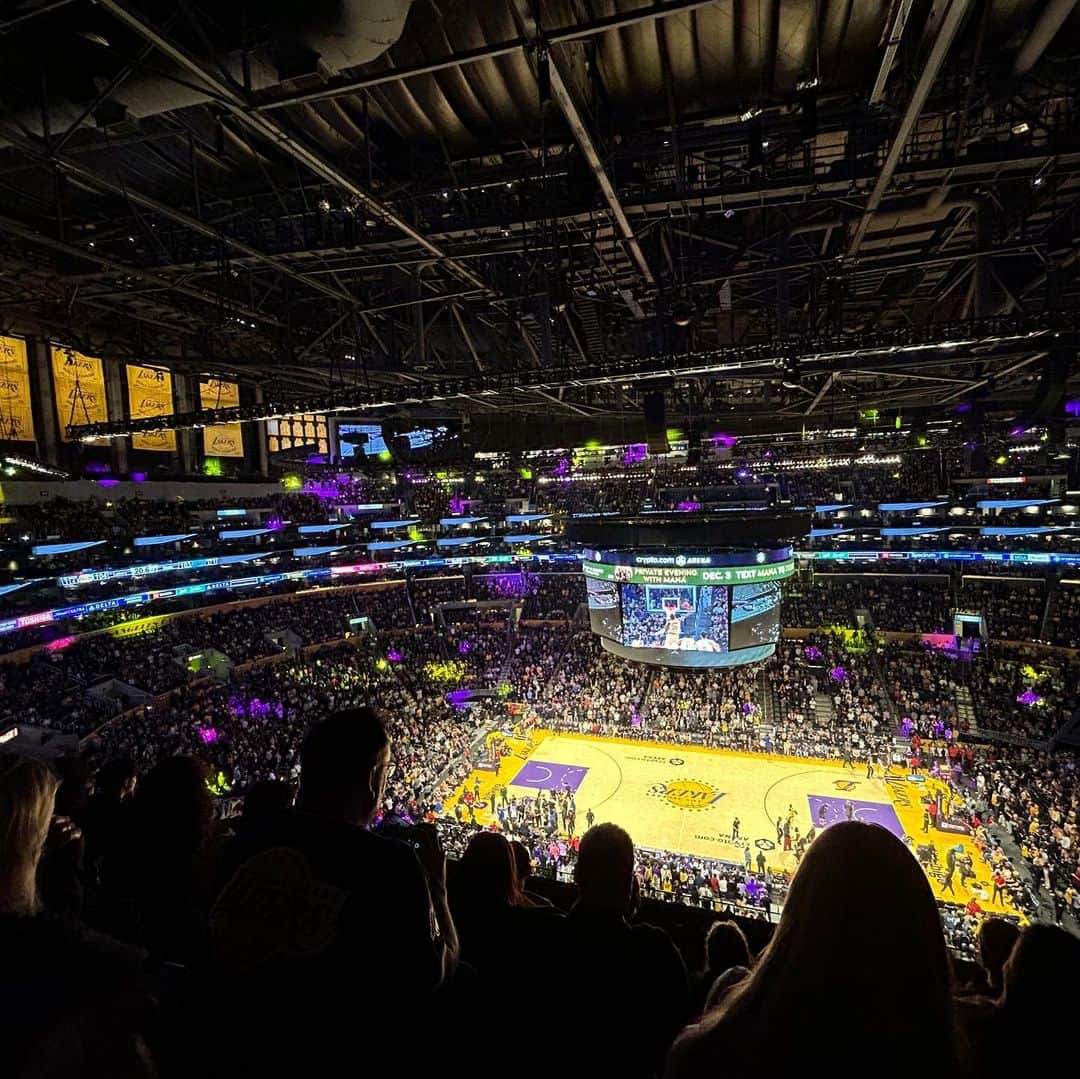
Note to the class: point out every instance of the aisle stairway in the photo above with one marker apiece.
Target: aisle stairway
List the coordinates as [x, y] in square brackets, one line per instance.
[965, 709]
[823, 708]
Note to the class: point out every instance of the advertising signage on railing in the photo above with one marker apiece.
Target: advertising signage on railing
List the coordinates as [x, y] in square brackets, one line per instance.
[689, 575]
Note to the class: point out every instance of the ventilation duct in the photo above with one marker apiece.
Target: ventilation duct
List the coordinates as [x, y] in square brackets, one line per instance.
[360, 32]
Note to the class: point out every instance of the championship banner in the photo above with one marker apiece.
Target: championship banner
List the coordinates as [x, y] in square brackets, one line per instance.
[150, 394]
[16, 412]
[79, 389]
[221, 439]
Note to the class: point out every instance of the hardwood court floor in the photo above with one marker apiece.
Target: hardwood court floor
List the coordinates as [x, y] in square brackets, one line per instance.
[685, 798]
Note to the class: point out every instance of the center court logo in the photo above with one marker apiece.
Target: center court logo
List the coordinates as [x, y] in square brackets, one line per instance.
[686, 793]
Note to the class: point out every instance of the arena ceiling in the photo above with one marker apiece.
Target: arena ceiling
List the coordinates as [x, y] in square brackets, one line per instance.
[795, 207]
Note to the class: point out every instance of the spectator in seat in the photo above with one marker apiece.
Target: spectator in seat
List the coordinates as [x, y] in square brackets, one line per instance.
[1038, 976]
[72, 1002]
[332, 935]
[725, 950]
[114, 784]
[997, 938]
[860, 931]
[156, 883]
[489, 908]
[629, 974]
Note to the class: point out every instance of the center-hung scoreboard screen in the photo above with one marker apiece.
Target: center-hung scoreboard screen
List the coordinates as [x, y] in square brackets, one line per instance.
[713, 609]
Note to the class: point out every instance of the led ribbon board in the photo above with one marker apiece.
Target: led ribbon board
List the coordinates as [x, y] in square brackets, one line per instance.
[690, 576]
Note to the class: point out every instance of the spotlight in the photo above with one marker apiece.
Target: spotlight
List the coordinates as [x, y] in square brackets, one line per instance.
[324, 206]
[682, 313]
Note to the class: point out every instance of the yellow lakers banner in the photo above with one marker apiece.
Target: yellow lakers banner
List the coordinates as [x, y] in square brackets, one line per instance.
[16, 412]
[221, 439]
[79, 389]
[150, 394]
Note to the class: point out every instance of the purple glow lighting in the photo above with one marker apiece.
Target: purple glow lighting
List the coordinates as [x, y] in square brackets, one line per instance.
[838, 674]
[138, 477]
[1072, 408]
[457, 505]
[742, 473]
[95, 468]
[110, 482]
[964, 406]
[394, 656]
[907, 726]
[208, 735]
[747, 708]
[563, 467]
[635, 453]
[812, 652]
[1017, 430]
[721, 439]
[464, 648]
[315, 459]
[275, 523]
[459, 698]
[689, 507]
[1029, 697]
[322, 489]
[514, 585]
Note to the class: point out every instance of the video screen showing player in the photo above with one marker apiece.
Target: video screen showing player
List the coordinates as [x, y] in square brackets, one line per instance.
[605, 618]
[755, 614]
[689, 619]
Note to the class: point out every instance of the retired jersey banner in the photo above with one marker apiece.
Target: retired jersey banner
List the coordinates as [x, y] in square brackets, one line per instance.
[221, 439]
[150, 394]
[79, 389]
[16, 412]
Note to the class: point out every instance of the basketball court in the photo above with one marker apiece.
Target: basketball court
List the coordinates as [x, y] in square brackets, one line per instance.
[686, 799]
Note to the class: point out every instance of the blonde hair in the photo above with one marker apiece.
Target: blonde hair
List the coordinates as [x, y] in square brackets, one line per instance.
[27, 796]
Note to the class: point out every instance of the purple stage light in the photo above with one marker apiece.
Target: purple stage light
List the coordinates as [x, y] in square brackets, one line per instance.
[812, 652]
[464, 648]
[687, 506]
[1072, 408]
[457, 505]
[459, 698]
[1029, 697]
[96, 468]
[138, 477]
[208, 735]
[108, 482]
[742, 474]
[964, 406]
[1018, 430]
[275, 523]
[563, 467]
[721, 439]
[394, 656]
[838, 674]
[635, 453]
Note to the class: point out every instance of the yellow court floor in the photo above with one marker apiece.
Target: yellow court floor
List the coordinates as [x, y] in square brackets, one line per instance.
[686, 799]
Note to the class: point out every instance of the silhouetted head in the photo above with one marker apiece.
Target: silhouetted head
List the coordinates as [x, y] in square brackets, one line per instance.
[859, 929]
[172, 806]
[997, 937]
[725, 946]
[115, 779]
[604, 872]
[522, 863]
[486, 872]
[1042, 965]
[267, 798]
[344, 763]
